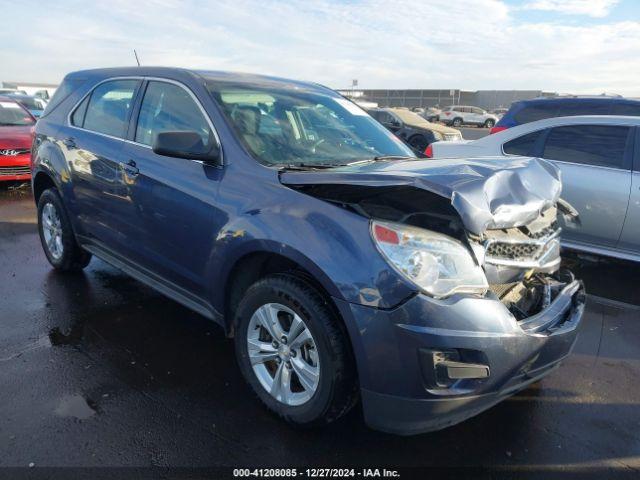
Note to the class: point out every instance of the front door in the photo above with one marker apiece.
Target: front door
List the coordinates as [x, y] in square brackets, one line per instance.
[175, 199]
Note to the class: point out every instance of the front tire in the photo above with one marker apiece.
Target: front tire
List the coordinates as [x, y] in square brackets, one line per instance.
[56, 234]
[489, 124]
[294, 352]
[457, 122]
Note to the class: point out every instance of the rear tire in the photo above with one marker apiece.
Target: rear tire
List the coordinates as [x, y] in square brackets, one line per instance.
[489, 124]
[457, 122]
[56, 234]
[281, 370]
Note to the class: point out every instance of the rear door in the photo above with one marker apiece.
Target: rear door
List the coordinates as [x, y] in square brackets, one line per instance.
[476, 116]
[92, 144]
[630, 238]
[595, 161]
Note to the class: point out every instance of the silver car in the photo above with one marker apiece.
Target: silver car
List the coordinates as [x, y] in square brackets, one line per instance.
[600, 174]
[458, 115]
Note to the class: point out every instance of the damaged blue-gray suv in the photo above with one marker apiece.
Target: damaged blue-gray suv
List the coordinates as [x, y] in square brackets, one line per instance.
[345, 269]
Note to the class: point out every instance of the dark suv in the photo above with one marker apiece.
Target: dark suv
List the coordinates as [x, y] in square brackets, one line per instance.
[527, 111]
[344, 267]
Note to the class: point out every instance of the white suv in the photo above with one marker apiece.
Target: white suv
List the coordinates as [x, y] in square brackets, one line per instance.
[458, 115]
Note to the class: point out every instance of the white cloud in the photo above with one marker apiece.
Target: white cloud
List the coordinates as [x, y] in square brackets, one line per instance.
[476, 44]
[592, 8]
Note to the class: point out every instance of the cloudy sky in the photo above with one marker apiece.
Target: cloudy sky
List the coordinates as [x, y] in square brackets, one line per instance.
[579, 46]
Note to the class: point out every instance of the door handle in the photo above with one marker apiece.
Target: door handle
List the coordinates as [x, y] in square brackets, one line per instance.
[70, 143]
[130, 168]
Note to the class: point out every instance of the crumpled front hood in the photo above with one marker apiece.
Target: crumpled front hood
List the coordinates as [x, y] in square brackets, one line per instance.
[487, 193]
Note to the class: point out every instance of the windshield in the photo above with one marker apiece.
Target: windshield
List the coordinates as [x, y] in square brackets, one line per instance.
[290, 126]
[13, 114]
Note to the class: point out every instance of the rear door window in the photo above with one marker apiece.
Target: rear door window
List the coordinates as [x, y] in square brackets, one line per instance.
[601, 145]
[522, 145]
[109, 107]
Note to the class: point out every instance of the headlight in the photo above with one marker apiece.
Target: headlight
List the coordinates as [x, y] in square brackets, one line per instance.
[436, 263]
[438, 136]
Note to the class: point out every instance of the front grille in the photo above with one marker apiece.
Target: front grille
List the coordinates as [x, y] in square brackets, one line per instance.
[513, 251]
[11, 171]
[526, 246]
[545, 232]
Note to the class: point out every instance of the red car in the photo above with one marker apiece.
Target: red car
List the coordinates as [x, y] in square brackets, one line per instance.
[16, 124]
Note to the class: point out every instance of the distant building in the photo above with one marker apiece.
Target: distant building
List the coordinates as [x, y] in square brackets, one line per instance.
[411, 98]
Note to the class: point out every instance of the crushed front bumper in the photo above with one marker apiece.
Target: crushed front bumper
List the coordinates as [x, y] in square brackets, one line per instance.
[429, 363]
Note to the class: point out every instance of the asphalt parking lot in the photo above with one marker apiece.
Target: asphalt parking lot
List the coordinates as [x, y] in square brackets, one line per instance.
[96, 369]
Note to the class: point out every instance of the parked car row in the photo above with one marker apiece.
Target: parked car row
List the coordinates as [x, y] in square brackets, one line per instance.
[412, 128]
[540, 108]
[458, 115]
[431, 114]
[34, 103]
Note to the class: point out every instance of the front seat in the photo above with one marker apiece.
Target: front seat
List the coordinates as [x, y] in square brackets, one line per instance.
[247, 120]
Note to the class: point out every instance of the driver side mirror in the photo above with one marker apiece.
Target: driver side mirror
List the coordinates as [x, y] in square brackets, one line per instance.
[187, 145]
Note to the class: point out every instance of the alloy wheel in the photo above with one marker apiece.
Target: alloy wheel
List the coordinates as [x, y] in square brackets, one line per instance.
[52, 231]
[283, 354]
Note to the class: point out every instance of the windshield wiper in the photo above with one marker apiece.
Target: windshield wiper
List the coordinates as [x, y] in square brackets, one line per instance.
[381, 158]
[309, 166]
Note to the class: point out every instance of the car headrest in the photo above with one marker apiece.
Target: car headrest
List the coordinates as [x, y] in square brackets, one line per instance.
[247, 119]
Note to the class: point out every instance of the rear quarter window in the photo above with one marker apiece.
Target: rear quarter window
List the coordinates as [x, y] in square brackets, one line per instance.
[522, 145]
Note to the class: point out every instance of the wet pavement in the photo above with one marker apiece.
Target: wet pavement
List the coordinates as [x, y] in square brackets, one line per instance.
[98, 370]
